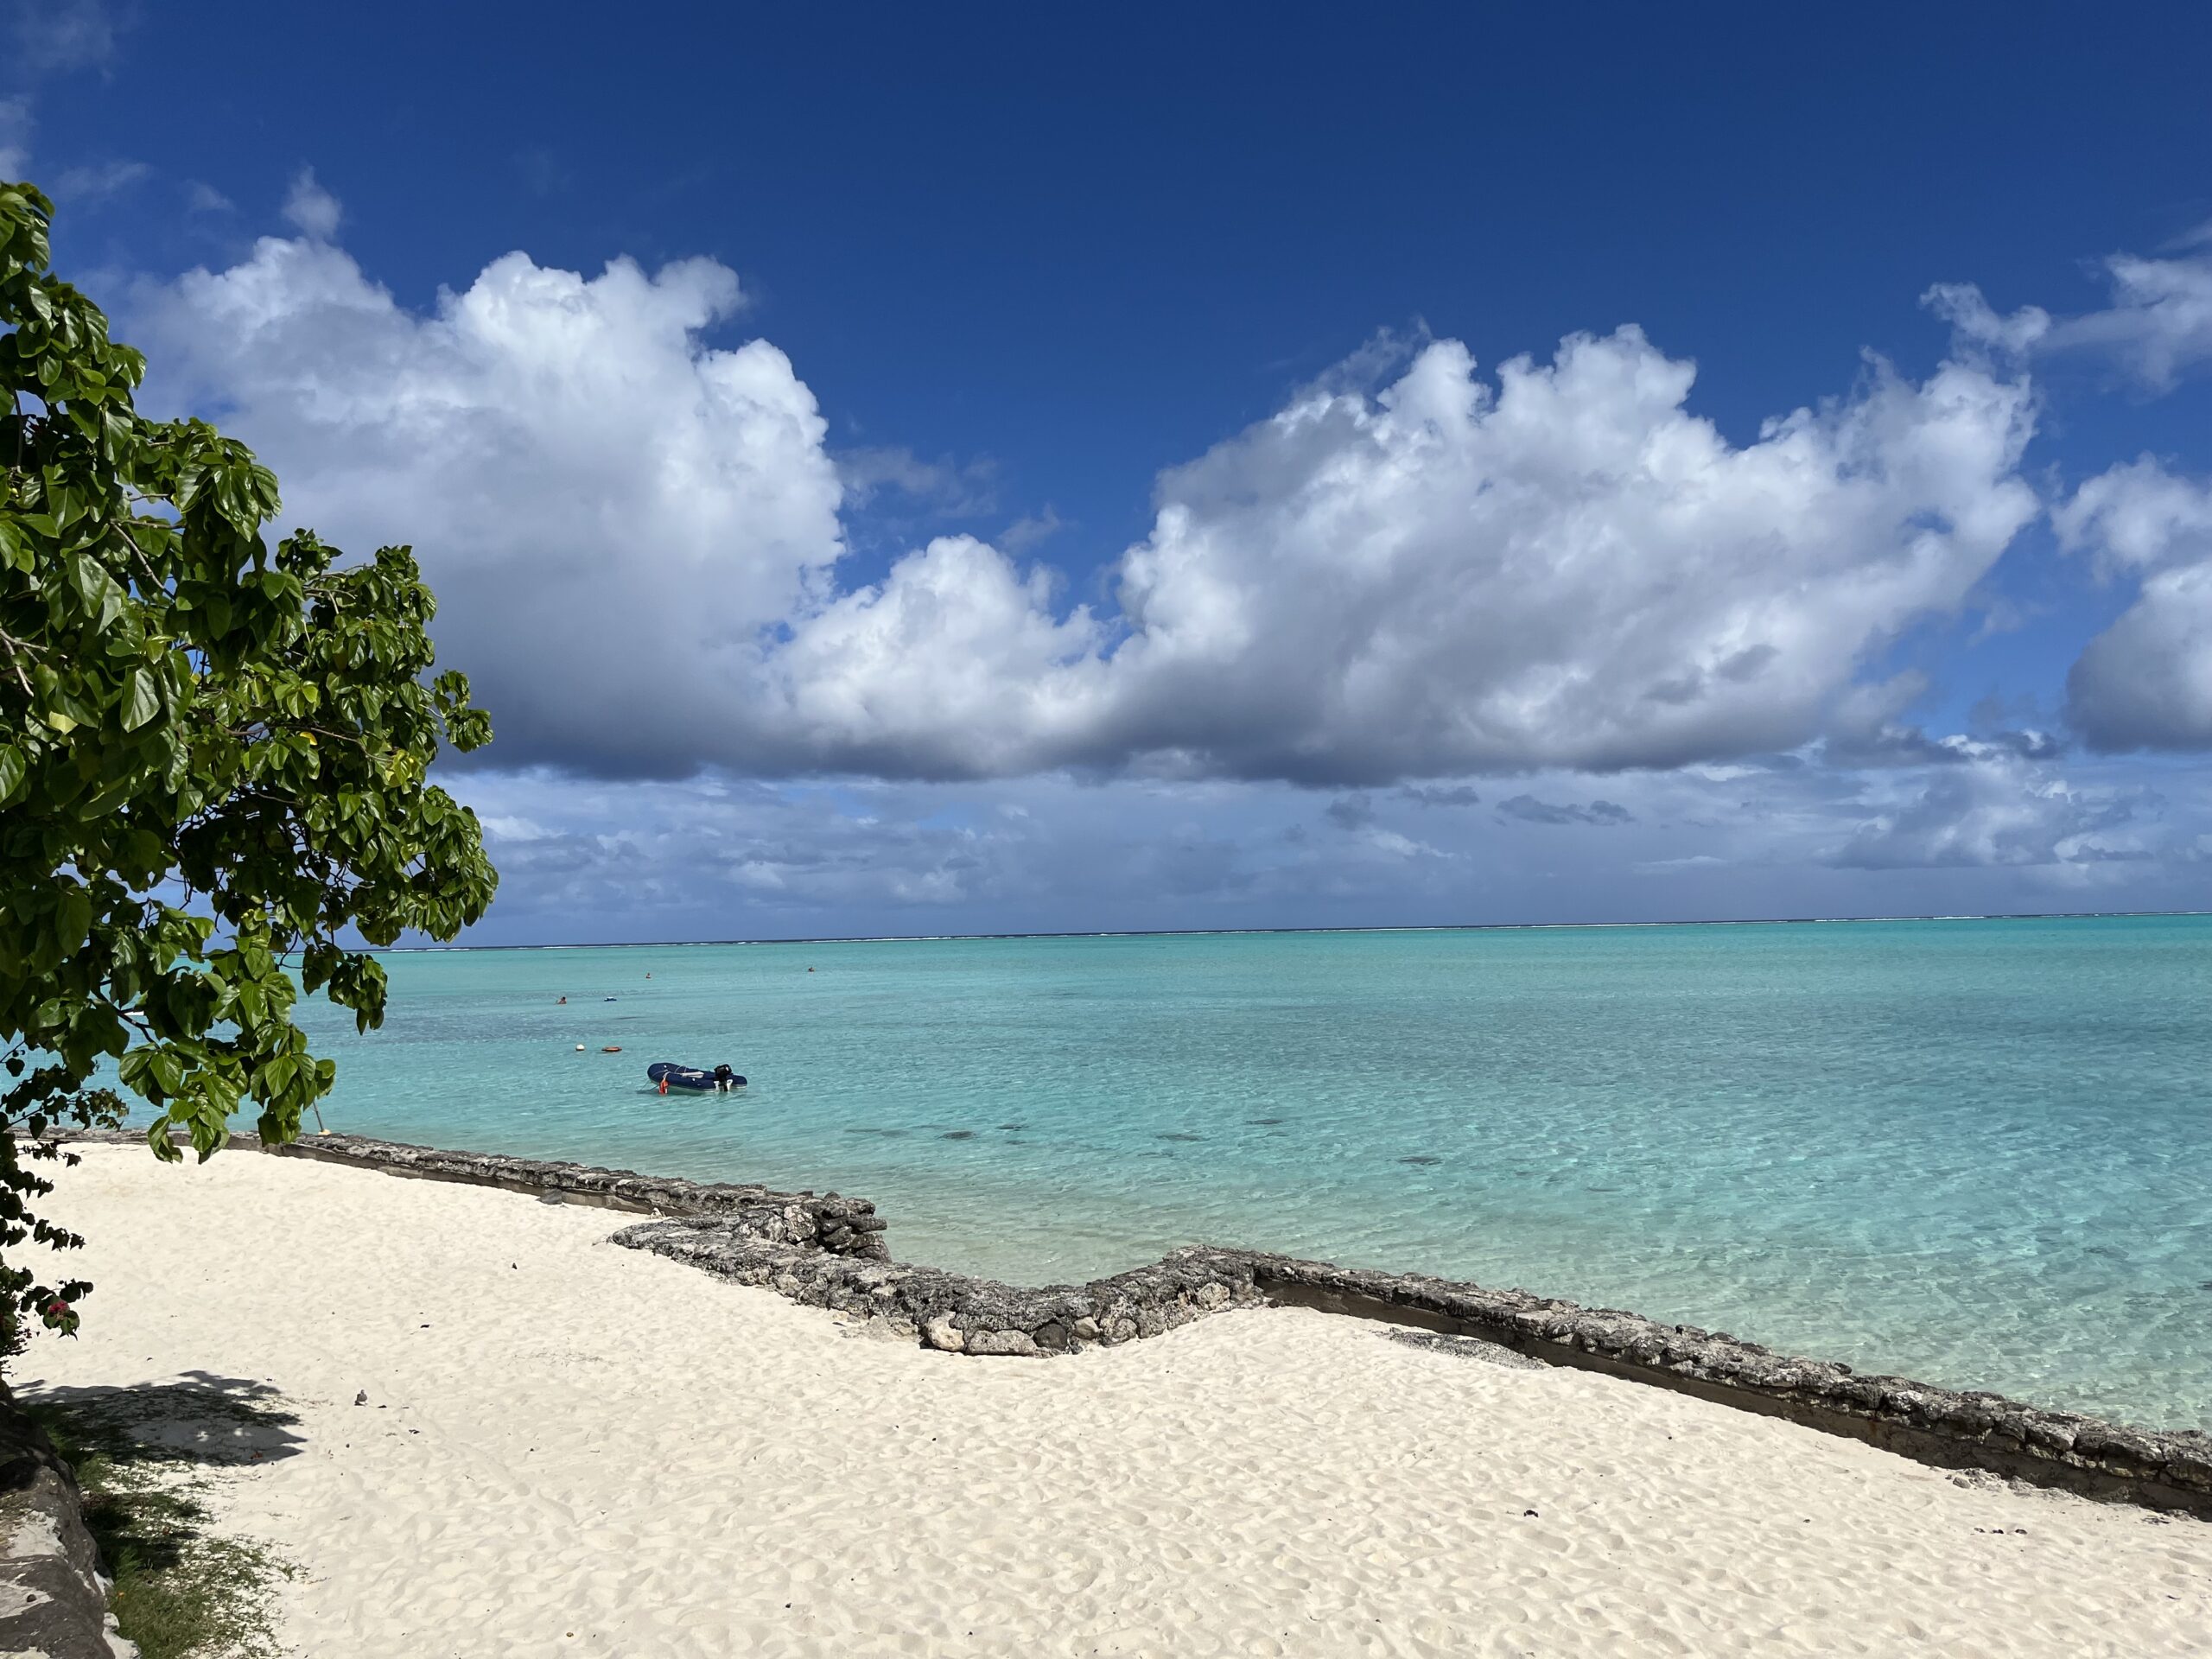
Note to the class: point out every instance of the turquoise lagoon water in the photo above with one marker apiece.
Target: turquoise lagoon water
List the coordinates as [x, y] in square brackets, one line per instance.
[1975, 1152]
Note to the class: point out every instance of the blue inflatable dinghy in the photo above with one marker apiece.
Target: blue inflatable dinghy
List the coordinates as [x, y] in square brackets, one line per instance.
[670, 1075]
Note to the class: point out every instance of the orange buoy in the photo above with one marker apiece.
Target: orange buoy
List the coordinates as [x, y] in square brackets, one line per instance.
[612, 1048]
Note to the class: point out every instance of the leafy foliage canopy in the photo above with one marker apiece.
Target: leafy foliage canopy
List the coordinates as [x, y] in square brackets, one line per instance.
[213, 762]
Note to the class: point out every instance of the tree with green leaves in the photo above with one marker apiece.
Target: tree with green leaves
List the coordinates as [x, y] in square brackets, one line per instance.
[214, 760]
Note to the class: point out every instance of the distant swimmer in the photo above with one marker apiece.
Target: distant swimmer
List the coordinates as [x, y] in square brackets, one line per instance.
[564, 1000]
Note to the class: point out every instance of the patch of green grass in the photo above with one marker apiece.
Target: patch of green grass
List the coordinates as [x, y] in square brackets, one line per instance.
[142, 1457]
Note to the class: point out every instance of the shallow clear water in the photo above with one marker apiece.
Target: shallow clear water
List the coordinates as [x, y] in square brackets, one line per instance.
[1977, 1152]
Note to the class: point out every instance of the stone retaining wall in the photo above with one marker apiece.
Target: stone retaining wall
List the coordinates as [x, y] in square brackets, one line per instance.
[53, 1599]
[952, 1312]
[839, 1226]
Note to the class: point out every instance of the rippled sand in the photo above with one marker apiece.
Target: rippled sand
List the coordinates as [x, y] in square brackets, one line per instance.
[570, 1447]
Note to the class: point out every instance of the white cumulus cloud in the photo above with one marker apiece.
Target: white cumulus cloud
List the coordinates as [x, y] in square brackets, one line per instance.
[610, 511]
[2137, 516]
[2146, 683]
[1568, 567]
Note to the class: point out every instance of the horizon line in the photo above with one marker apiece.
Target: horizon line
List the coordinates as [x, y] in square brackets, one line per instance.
[1231, 932]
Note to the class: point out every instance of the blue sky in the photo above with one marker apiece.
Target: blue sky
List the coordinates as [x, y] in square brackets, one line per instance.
[1044, 473]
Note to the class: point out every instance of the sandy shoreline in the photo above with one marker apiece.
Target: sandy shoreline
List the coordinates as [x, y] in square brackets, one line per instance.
[563, 1437]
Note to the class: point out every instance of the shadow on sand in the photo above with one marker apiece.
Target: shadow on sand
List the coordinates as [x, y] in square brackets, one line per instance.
[201, 1420]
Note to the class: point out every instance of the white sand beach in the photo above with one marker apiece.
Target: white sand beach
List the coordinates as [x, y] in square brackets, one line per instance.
[570, 1447]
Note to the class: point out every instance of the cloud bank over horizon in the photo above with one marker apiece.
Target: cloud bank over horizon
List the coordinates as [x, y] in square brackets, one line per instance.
[1412, 576]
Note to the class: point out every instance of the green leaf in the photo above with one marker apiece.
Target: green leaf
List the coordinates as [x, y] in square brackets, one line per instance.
[72, 919]
[141, 700]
